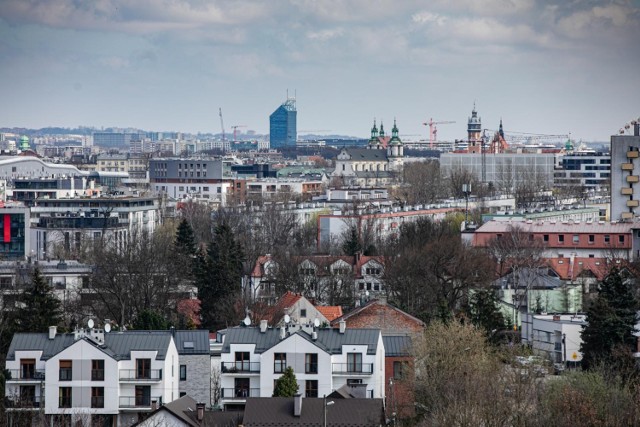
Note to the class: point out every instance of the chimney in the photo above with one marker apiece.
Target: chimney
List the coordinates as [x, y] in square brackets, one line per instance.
[297, 405]
[200, 411]
[53, 330]
[282, 332]
[154, 404]
[263, 326]
[314, 335]
[636, 129]
[343, 326]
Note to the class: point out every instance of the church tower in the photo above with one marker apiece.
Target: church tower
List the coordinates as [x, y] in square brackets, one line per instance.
[395, 150]
[374, 142]
[474, 131]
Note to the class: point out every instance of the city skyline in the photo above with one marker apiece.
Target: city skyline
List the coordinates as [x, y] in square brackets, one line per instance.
[169, 65]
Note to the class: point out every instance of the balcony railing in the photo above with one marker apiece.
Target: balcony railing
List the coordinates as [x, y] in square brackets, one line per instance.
[24, 402]
[353, 368]
[135, 375]
[239, 393]
[26, 375]
[557, 346]
[243, 367]
[139, 401]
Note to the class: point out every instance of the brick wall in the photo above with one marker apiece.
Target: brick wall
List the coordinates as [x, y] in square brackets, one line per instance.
[399, 392]
[388, 319]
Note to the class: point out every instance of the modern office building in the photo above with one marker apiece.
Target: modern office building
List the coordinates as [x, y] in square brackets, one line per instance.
[282, 125]
[590, 171]
[625, 175]
[14, 221]
[115, 139]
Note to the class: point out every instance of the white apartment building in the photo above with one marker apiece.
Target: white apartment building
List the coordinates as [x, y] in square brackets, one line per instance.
[557, 336]
[91, 376]
[625, 190]
[323, 360]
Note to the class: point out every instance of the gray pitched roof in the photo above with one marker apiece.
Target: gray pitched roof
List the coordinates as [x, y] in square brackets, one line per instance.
[199, 338]
[116, 344]
[365, 154]
[329, 339]
[396, 346]
[278, 411]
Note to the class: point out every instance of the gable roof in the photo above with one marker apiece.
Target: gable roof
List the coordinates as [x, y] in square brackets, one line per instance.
[397, 345]
[199, 338]
[365, 154]
[370, 305]
[118, 345]
[185, 410]
[330, 311]
[329, 339]
[278, 411]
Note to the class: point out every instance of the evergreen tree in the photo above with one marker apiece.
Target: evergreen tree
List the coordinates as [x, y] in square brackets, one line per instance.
[485, 313]
[185, 240]
[219, 279]
[351, 244]
[611, 320]
[149, 320]
[39, 307]
[286, 385]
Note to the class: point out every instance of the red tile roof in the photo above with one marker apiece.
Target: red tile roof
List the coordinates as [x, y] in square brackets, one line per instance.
[330, 311]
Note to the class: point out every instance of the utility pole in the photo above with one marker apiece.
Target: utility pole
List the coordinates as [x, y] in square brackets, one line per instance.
[466, 189]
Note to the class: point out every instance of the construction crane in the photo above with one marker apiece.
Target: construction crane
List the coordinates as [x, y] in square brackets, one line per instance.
[433, 130]
[235, 130]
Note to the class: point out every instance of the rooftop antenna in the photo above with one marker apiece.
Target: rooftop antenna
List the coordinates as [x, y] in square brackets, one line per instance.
[246, 321]
[107, 327]
[90, 323]
[287, 319]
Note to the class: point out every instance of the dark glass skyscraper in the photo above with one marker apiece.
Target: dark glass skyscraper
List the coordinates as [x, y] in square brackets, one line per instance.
[282, 125]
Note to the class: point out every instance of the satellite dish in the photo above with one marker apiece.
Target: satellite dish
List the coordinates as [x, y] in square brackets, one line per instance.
[107, 328]
[246, 321]
[316, 322]
[90, 323]
[287, 318]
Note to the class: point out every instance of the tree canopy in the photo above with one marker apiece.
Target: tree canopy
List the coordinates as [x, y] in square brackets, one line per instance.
[39, 307]
[286, 385]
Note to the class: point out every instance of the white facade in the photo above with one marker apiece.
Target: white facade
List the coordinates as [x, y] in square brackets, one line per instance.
[556, 336]
[214, 191]
[625, 175]
[87, 374]
[320, 365]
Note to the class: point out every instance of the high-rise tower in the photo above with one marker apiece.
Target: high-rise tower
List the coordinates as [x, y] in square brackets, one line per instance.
[474, 131]
[283, 125]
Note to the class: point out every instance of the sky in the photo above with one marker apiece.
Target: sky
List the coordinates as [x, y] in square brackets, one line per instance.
[548, 67]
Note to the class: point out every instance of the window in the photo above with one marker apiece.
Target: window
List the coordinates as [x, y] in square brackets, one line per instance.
[242, 361]
[354, 381]
[64, 397]
[576, 239]
[66, 370]
[183, 393]
[183, 372]
[97, 370]
[143, 368]
[27, 368]
[399, 370]
[354, 362]
[242, 387]
[311, 363]
[143, 395]
[303, 312]
[592, 239]
[279, 363]
[545, 238]
[620, 238]
[311, 388]
[97, 397]
[561, 238]
[607, 238]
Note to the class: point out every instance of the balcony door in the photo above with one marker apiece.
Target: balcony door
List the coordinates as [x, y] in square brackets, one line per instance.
[242, 387]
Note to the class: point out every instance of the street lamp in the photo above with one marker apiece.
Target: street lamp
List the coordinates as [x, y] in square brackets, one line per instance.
[325, 404]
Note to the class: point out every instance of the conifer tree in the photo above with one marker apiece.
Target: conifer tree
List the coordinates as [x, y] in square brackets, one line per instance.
[219, 279]
[39, 307]
[286, 385]
[351, 244]
[485, 313]
[185, 240]
[611, 320]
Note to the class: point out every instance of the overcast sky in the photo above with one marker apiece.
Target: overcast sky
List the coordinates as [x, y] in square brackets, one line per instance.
[542, 66]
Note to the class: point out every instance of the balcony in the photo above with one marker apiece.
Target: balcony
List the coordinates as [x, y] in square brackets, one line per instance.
[240, 367]
[133, 375]
[138, 402]
[632, 154]
[626, 191]
[627, 166]
[557, 346]
[239, 393]
[352, 368]
[633, 178]
[25, 375]
[24, 403]
[633, 203]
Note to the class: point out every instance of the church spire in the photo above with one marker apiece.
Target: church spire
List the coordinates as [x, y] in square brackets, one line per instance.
[381, 134]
